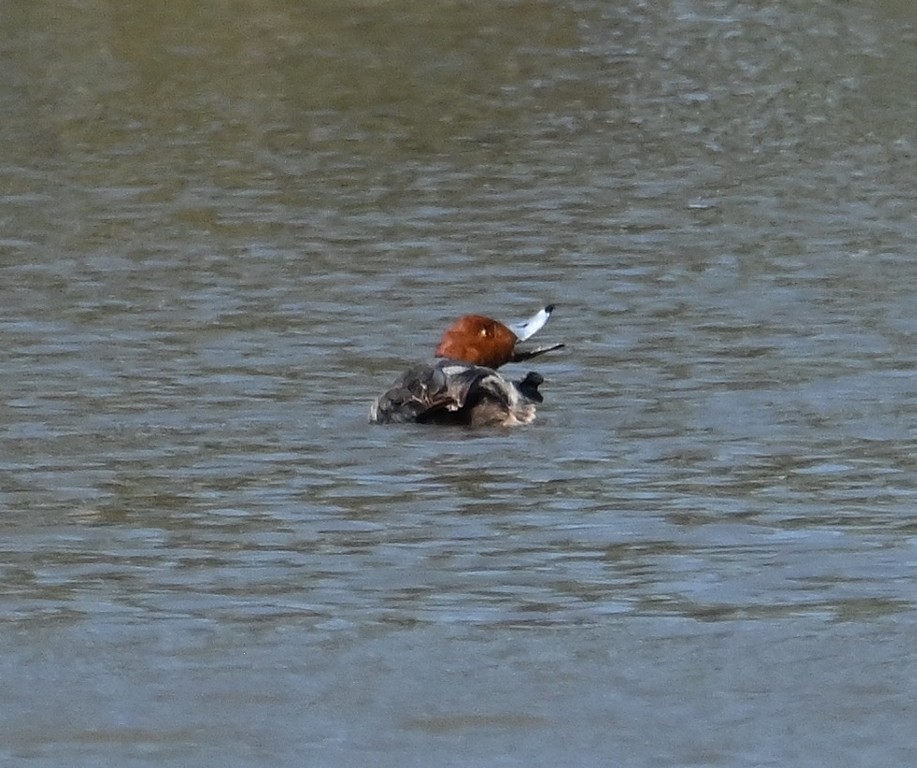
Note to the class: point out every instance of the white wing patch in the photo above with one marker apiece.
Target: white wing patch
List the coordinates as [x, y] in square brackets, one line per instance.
[535, 323]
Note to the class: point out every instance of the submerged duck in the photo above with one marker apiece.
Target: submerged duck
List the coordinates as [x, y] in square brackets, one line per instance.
[462, 386]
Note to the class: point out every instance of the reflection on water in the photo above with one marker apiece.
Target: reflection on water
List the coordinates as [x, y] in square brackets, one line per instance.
[227, 227]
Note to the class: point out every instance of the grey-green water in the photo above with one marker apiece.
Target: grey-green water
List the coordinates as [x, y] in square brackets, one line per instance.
[227, 226]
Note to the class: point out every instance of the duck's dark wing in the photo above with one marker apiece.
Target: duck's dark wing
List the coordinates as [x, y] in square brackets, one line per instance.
[428, 393]
[464, 385]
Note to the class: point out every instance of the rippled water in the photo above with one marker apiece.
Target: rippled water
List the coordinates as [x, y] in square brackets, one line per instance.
[227, 227]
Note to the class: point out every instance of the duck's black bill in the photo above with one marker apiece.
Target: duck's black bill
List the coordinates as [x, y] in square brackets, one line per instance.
[527, 354]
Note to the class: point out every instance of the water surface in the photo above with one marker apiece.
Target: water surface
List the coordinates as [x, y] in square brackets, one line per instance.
[227, 227]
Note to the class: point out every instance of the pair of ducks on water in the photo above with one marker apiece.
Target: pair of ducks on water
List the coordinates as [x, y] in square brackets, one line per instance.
[463, 386]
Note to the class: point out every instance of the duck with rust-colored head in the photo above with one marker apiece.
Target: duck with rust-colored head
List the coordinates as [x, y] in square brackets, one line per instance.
[463, 386]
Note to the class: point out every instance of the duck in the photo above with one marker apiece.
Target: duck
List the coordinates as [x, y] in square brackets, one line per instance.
[462, 384]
